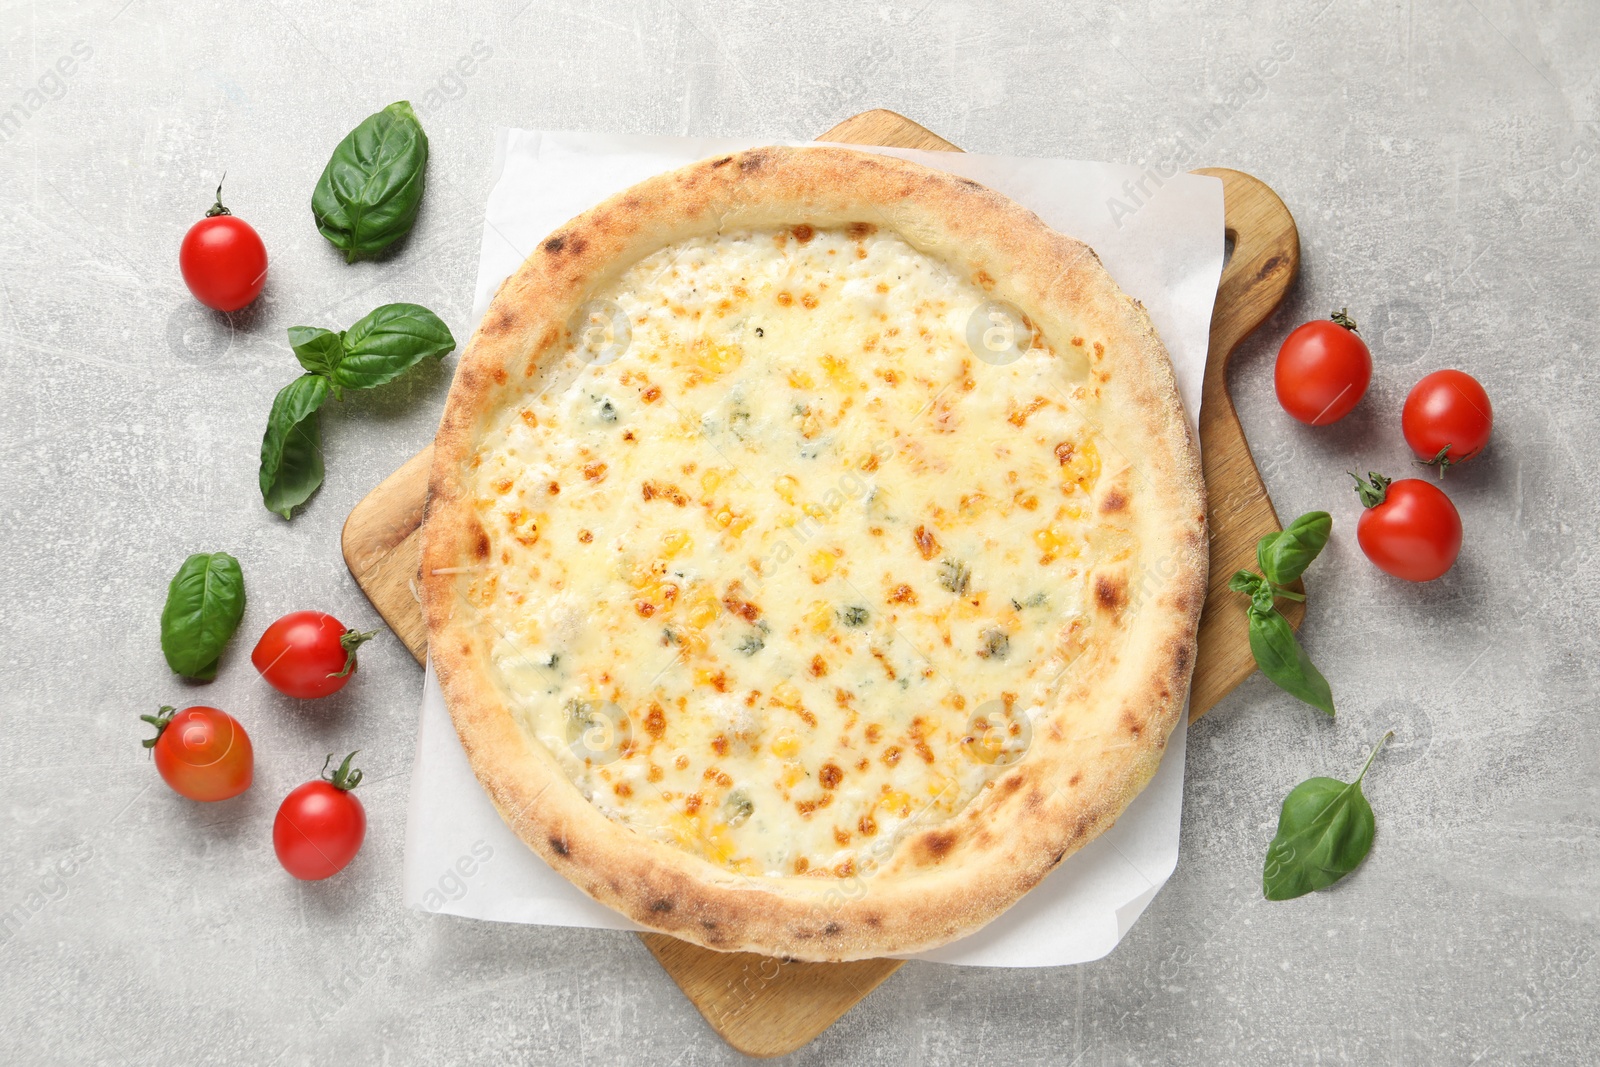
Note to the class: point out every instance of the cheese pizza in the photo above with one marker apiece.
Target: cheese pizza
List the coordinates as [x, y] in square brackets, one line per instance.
[814, 551]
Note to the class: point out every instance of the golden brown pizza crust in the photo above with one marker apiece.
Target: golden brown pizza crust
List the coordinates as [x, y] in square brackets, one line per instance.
[938, 882]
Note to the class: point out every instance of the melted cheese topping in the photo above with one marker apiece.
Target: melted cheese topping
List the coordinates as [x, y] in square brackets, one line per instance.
[793, 573]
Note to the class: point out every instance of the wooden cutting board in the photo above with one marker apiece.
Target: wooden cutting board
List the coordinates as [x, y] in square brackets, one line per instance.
[769, 1007]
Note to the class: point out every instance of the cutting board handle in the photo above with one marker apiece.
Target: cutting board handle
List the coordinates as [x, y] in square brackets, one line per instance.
[1265, 261]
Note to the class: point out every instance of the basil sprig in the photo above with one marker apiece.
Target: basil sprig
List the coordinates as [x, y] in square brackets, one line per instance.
[386, 343]
[1283, 557]
[379, 348]
[1325, 830]
[371, 189]
[205, 602]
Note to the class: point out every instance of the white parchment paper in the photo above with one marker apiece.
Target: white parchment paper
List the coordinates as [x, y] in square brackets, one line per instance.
[461, 859]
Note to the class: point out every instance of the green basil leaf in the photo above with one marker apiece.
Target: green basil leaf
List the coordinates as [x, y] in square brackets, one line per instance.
[291, 449]
[387, 342]
[371, 189]
[1245, 582]
[318, 350]
[1284, 556]
[1324, 832]
[1281, 658]
[205, 602]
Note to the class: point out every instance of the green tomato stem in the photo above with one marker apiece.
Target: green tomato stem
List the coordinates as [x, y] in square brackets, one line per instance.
[217, 208]
[344, 778]
[1442, 460]
[161, 720]
[351, 640]
[1373, 490]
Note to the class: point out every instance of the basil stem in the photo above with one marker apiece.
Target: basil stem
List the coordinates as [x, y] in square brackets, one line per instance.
[291, 449]
[371, 189]
[205, 602]
[1325, 830]
[387, 342]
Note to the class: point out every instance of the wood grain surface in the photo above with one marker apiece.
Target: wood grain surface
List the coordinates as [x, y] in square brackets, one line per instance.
[764, 1006]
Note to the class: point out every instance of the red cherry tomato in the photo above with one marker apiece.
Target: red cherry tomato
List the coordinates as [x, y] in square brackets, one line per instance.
[308, 654]
[1323, 370]
[320, 825]
[1410, 529]
[202, 753]
[1447, 418]
[223, 261]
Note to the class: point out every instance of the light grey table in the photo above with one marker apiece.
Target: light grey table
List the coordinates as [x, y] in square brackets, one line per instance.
[1443, 162]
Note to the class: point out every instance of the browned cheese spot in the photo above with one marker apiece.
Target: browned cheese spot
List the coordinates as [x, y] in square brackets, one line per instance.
[927, 544]
[651, 490]
[736, 604]
[902, 594]
[655, 724]
[1021, 416]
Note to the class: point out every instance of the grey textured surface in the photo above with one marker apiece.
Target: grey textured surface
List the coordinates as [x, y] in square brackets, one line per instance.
[1442, 161]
